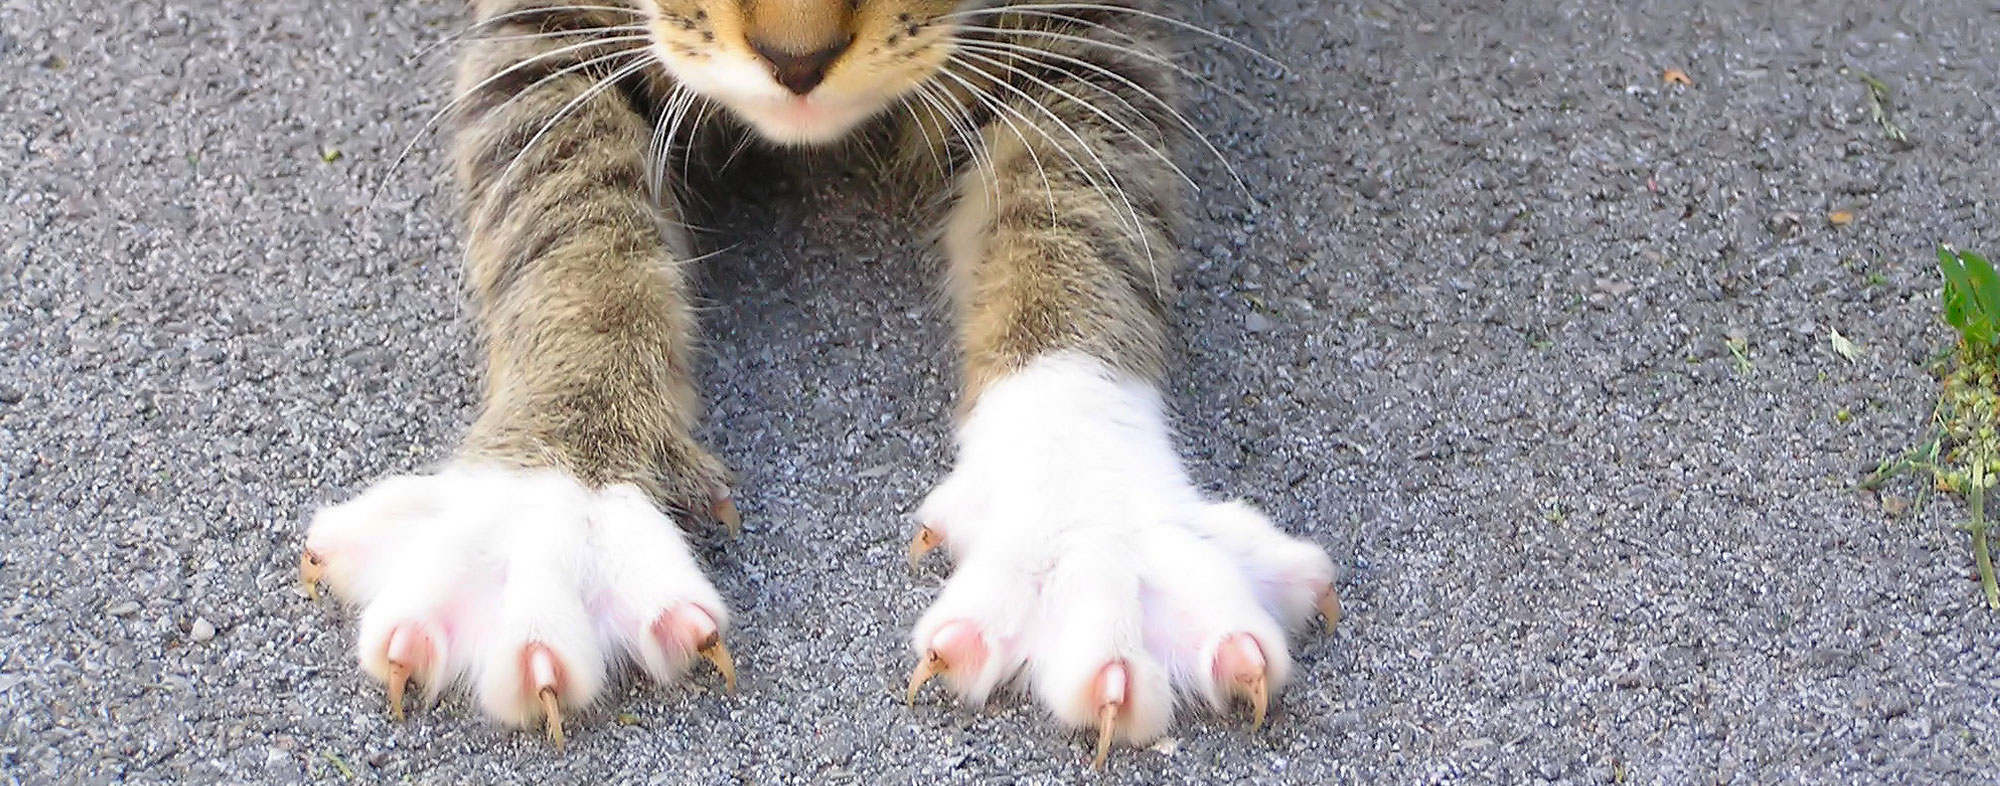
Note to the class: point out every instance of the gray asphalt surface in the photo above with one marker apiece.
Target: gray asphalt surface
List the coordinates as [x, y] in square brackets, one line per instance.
[1469, 336]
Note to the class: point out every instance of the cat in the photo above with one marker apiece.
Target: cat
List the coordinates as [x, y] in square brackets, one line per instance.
[547, 552]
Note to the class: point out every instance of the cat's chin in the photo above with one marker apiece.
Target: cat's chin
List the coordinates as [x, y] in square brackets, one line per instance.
[802, 122]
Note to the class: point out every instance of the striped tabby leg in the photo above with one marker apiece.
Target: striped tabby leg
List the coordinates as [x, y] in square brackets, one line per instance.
[1084, 555]
[541, 552]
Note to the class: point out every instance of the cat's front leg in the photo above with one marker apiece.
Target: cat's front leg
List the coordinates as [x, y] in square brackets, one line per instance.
[1085, 559]
[547, 552]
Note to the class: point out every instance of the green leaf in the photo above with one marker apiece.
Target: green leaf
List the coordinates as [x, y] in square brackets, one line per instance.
[1954, 310]
[1985, 285]
[1955, 279]
[1962, 307]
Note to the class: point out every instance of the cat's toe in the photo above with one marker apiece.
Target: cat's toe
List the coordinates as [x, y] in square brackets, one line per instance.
[525, 583]
[1109, 618]
[1292, 578]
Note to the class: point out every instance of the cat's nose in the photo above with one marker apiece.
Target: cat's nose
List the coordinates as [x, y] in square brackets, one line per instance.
[799, 73]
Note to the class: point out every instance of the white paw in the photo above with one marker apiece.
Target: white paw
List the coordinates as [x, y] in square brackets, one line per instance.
[1086, 559]
[523, 582]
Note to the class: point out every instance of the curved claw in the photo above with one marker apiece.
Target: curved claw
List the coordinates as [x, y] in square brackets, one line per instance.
[724, 510]
[932, 666]
[1111, 698]
[691, 627]
[542, 669]
[1257, 690]
[1240, 665]
[311, 570]
[410, 651]
[1329, 608]
[1107, 720]
[552, 711]
[925, 540]
[718, 654]
[955, 644]
[399, 677]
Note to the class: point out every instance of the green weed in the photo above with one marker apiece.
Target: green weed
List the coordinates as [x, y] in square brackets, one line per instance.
[1963, 452]
[1971, 295]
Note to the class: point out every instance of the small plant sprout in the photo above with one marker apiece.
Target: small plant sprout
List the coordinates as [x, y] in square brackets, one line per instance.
[1971, 296]
[1739, 350]
[1963, 451]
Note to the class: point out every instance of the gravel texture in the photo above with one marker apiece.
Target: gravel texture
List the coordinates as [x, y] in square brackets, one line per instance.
[1468, 332]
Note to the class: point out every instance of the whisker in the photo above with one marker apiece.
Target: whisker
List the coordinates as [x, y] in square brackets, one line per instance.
[1131, 51]
[562, 114]
[661, 149]
[700, 121]
[940, 145]
[431, 123]
[666, 127]
[712, 254]
[462, 38]
[515, 14]
[1027, 55]
[742, 144]
[975, 140]
[1045, 84]
[1161, 18]
[1111, 190]
[1030, 52]
[1048, 187]
[543, 9]
[1069, 19]
[930, 146]
[1110, 187]
[1136, 225]
[653, 145]
[665, 133]
[958, 117]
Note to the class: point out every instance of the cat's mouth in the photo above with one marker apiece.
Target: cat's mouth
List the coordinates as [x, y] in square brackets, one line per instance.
[826, 111]
[802, 120]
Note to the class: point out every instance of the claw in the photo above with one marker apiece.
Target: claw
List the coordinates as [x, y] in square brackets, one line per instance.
[409, 651]
[932, 666]
[1329, 608]
[553, 712]
[1107, 719]
[925, 540]
[1111, 699]
[399, 677]
[310, 571]
[690, 627]
[724, 510]
[950, 642]
[1240, 665]
[719, 655]
[1257, 690]
[542, 669]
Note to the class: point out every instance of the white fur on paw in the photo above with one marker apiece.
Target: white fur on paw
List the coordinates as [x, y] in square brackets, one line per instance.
[516, 581]
[1086, 559]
